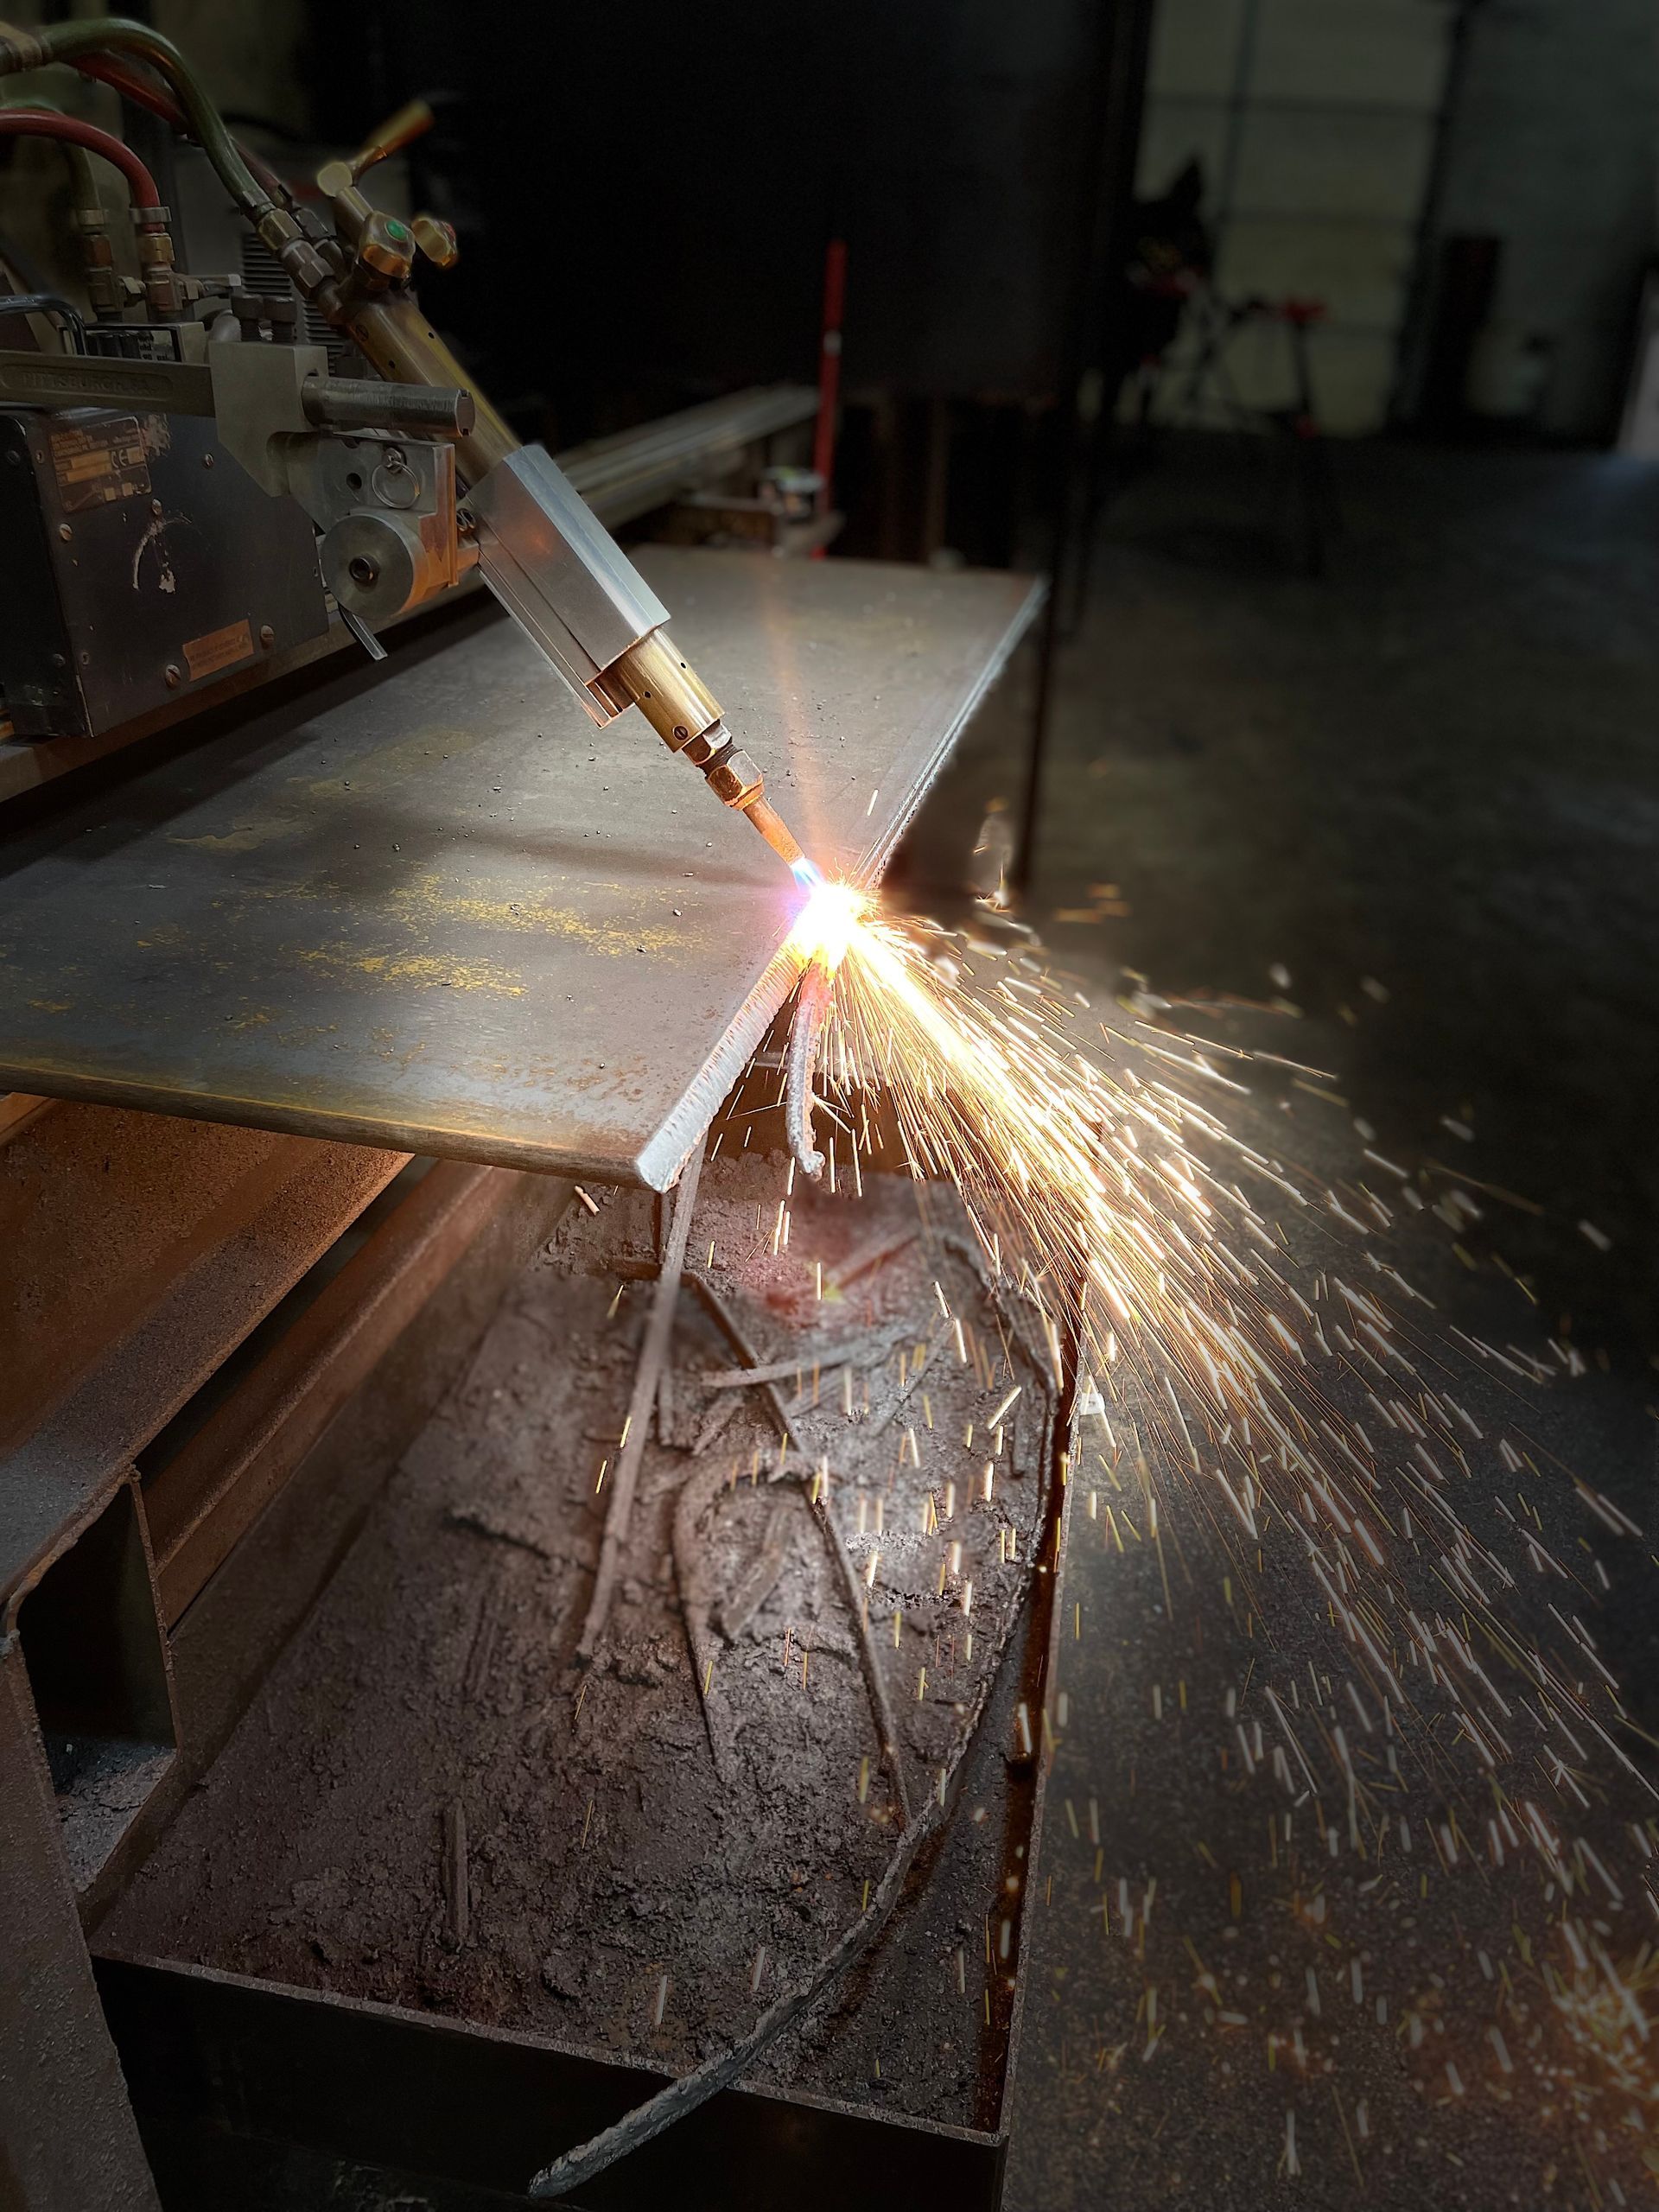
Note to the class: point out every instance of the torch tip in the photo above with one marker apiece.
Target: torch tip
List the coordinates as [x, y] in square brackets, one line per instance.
[777, 833]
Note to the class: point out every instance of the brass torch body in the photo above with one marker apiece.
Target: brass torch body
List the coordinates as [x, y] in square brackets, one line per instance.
[654, 676]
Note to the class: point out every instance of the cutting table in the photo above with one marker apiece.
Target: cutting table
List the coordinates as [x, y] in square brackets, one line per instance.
[422, 909]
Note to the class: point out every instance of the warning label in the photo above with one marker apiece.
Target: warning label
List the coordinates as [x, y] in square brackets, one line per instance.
[218, 649]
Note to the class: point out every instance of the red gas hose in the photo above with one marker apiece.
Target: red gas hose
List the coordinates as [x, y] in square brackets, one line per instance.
[42, 123]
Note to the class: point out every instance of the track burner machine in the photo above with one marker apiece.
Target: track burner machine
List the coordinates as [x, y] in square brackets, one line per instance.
[374, 1785]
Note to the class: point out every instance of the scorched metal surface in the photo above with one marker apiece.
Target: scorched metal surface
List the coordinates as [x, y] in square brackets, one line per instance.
[437, 910]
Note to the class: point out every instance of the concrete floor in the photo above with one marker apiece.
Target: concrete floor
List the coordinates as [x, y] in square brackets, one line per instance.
[1437, 767]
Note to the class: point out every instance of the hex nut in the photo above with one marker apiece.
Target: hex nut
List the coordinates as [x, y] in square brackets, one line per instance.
[733, 777]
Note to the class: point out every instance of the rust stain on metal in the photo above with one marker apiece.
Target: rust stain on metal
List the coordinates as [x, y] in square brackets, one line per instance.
[426, 899]
[438, 969]
[243, 839]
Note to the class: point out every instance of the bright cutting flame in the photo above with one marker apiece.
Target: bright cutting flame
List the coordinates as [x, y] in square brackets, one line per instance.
[1050, 1155]
[824, 929]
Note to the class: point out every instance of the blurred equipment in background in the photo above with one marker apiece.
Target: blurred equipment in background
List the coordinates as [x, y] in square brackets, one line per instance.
[1464, 287]
[1148, 302]
[381, 464]
[958, 158]
[829, 344]
[1305, 493]
[1169, 266]
[786, 514]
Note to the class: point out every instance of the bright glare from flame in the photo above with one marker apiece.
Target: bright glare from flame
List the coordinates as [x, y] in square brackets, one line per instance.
[824, 928]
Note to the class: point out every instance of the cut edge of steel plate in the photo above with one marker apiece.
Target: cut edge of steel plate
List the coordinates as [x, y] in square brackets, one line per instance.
[659, 1163]
[388, 1135]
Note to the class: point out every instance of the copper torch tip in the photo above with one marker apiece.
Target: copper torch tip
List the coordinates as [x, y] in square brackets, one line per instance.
[776, 831]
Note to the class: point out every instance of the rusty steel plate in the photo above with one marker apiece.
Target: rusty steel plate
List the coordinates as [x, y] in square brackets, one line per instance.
[433, 908]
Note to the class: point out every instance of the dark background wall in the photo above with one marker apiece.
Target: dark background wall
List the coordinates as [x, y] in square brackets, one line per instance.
[1554, 150]
[656, 184]
[646, 193]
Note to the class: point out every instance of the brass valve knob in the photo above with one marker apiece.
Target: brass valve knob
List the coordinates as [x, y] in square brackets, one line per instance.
[385, 246]
[436, 240]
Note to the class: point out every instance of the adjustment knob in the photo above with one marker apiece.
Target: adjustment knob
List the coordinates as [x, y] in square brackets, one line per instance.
[436, 240]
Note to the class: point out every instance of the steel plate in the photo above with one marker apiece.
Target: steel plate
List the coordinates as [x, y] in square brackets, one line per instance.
[433, 909]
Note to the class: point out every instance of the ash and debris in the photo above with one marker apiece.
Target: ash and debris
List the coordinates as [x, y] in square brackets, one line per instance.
[433, 1805]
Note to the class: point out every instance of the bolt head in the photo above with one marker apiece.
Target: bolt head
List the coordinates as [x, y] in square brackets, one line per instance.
[174, 678]
[267, 635]
[65, 532]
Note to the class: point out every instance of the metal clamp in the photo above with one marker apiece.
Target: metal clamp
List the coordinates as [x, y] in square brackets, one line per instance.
[386, 511]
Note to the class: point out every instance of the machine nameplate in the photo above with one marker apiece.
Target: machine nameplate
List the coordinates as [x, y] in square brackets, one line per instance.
[99, 466]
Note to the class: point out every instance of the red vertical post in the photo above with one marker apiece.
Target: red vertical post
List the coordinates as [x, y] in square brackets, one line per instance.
[823, 441]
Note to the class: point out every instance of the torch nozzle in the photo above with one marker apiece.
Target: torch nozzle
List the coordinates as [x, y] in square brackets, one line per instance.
[776, 831]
